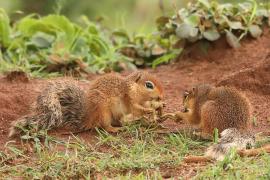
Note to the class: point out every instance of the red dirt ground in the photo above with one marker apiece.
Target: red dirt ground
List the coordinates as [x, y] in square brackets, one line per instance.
[246, 68]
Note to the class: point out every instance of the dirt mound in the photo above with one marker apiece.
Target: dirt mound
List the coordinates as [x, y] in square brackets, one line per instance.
[220, 50]
[255, 79]
[205, 50]
[15, 100]
[19, 76]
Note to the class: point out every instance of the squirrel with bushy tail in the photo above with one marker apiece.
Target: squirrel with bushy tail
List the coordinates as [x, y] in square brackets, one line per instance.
[223, 108]
[110, 101]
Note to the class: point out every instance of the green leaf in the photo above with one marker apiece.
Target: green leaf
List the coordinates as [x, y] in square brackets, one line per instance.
[122, 34]
[232, 39]
[42, 40]
[4, 29]
[262, 12]
[92, 29]
[255, 30]
[139, 61]
[235, 25]
[211, 34]
[28, 26]
[205, 3]
[166, 58]
[183, 13]
[61, 24]
[246, 7]
[215, 135]
[193, 20]
[65, 31]
[186, 31]
[26, 137]
[254, 10]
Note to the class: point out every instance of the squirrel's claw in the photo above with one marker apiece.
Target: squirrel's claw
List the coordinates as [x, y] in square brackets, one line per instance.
[168, 116]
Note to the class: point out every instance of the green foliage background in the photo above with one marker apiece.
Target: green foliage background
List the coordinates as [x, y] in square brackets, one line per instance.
[133, 15]
[77, 36]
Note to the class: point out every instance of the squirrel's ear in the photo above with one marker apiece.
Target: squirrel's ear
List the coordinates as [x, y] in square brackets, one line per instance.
[136, 76]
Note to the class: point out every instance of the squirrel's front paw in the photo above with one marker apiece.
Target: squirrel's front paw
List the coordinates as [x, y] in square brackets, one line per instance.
[168, 116]
[158, 104]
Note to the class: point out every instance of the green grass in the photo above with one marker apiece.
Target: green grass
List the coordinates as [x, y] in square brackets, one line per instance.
[238, 168]
[53, 44]
[135, 153]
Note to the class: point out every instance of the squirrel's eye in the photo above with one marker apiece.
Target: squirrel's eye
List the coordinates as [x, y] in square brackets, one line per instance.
[149, 85]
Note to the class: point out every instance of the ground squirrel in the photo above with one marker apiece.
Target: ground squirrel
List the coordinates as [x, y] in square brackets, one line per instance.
[108, 102]
[223, 108]
[215, 107]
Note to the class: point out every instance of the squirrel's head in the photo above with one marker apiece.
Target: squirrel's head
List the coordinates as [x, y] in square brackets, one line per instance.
[188, 99]
[147, 86]
[195, 96]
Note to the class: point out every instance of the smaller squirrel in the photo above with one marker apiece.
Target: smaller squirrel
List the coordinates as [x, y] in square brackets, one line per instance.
[215, 107]
[110, 101]
[223, 108]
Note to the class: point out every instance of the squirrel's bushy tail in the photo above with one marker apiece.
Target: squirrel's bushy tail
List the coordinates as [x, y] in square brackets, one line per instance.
[230, 138]
[59, 104]
[37, 121]
[19, 125]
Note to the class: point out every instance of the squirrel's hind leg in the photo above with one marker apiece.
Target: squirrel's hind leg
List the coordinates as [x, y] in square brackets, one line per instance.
[210, 118]
[203, 136]
[184, 116]
[107, 120]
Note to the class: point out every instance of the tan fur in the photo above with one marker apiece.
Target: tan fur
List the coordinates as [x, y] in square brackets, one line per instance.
[110, 101]
[216, 107]
[112, 97]
[223, 108]
[230, 138]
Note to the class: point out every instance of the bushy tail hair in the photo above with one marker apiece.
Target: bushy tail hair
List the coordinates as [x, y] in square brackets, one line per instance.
[59, 104]
[230, 138]
[49, 120]
[47, 114]
[18, 127]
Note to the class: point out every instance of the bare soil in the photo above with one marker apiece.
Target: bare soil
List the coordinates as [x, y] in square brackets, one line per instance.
[246, 68]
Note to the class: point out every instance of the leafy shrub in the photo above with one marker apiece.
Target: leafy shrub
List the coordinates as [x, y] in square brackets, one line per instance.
[210, 20]
[55, 44]
[145, 50]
